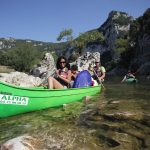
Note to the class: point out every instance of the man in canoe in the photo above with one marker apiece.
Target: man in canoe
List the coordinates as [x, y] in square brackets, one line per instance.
[63, 75]
[99, 71]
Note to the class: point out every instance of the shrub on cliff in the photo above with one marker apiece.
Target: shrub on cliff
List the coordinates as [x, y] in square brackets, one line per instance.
[85, 38]
[121, 45]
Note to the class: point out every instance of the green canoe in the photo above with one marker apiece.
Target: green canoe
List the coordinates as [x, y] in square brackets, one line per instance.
[131, 80]
[16, 100]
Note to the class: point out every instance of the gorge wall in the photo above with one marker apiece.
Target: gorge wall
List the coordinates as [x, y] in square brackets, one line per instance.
[126, 44]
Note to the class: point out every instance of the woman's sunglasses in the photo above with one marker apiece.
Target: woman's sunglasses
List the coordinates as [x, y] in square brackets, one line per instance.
[62, 62]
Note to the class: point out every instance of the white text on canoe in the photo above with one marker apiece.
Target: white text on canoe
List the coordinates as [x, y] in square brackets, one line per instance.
[14, 100]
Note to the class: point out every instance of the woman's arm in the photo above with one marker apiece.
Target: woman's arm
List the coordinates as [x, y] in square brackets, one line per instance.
[124, 79]
[68, 79]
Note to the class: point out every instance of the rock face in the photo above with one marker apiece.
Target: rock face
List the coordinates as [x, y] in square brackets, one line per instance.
[20, 79]
[88, 59]
[117, 24]
[7, 43]
[142, 47]
[36, 77]
[113, 27]
[47, 65]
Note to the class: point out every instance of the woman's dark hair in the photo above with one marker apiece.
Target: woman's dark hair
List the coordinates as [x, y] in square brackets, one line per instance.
[58, 62]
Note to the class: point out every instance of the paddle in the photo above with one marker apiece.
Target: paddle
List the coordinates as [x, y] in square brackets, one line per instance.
[99, 79]
[42, 84]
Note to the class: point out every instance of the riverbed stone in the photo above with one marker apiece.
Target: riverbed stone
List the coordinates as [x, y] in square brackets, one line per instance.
[24, 142]
[118, 124]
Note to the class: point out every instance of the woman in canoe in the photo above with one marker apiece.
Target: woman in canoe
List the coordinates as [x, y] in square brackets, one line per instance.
[129, 75]
[63, 75]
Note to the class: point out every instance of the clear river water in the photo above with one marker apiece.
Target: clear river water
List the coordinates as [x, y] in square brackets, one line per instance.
[118, 119]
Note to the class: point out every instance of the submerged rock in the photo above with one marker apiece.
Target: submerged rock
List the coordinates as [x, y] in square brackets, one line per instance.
[24, 142]
[118, 124]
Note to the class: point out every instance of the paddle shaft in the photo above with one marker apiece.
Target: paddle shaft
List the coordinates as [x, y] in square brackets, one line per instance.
[98, 78]
[45, 78]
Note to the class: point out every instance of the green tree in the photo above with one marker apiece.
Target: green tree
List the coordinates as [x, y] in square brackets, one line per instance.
[3, 58]
[85, 38]
[121, 45]
[134, 31]
[66, 35]
[122, 20]
[23, 57]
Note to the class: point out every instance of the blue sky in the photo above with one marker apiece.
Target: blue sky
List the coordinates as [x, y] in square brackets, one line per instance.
[43, 20]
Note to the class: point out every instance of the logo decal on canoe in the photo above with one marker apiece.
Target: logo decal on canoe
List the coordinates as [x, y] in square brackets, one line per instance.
[14, 100]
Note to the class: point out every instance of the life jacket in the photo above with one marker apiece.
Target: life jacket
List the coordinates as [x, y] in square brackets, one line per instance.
[83, 79]
[129, 76]
[63, 72]
[98, 71]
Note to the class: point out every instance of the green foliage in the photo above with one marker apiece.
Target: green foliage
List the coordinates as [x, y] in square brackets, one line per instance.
[111, 64]
[124, 34]
[122, 20]
[70, 111]
[4, 58]
[121, 45]
[106, 57]
[85, 38]
[134, 30]
[126, 57]
[145, 22]
[73, 56]
[138, 28]
[66, 34]
[21, 58]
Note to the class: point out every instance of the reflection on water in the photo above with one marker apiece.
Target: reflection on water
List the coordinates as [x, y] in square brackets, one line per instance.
[118, 118]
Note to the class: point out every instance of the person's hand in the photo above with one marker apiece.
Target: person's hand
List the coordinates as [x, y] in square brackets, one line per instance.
[100, 79]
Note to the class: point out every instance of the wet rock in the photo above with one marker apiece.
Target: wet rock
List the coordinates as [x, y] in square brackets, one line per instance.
[118, 124]
[87, 59]
[109, 141]
[24, 142]
[20, 79]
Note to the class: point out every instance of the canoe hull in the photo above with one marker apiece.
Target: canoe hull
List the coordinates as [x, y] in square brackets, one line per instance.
[16, 100]
[131, 80]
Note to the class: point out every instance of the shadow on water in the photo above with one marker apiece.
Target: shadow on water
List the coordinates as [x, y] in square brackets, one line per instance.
[118, 118]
